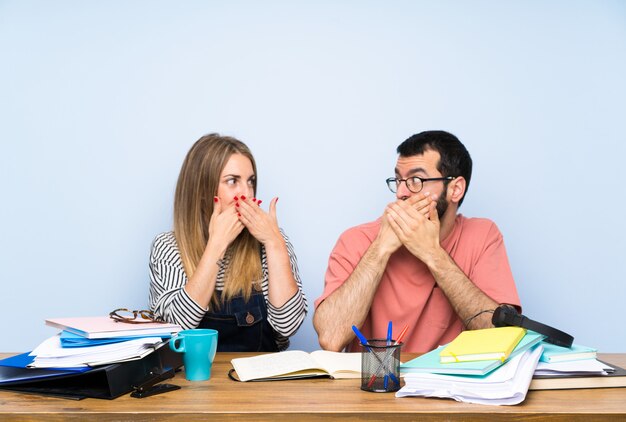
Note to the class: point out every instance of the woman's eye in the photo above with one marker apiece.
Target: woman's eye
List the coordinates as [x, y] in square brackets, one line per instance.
[251, 182]
[231, 181]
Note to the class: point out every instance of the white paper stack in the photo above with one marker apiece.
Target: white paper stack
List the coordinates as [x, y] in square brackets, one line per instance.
[574, 367]
[506, 385]
[50, 353]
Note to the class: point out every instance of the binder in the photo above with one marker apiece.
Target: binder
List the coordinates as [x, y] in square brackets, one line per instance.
[102, 382]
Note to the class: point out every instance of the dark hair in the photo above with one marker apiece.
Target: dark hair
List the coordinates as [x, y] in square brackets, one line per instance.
[454, 158]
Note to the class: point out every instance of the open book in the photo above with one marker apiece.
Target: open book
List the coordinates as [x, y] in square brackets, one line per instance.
[294, 364]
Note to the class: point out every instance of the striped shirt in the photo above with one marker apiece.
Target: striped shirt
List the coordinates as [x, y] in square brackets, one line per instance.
[170, 300]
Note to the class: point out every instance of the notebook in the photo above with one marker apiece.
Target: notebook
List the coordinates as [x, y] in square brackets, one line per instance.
[485, 344]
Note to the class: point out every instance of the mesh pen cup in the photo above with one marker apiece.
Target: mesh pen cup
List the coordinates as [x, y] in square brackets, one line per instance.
[380, 366]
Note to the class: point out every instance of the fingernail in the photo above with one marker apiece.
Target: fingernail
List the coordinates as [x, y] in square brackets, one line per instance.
[236, 204]
[238, 215]
[276, 199]
[260, 201]
[215, 199]
[236, 198]
[253, 199]
[243, 197]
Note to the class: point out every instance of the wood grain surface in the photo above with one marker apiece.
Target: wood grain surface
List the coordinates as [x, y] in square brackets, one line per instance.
[314, 399]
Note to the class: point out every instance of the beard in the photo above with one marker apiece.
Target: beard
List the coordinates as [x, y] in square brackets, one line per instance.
[442, 205]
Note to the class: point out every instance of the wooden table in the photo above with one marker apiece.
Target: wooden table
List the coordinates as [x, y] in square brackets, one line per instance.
[312, 399]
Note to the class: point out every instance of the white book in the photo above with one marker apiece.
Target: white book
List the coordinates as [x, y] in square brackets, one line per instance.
[574, 367]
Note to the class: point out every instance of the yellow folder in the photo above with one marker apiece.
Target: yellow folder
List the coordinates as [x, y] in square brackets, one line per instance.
[486, 344]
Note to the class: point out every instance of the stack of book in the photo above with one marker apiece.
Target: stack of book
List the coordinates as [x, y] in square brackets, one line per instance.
[490, 366]
[94, 357]
[574, 367]
[93, 341]
[499, 365]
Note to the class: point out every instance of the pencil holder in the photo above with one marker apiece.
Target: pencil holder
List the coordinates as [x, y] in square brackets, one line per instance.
[380, 366]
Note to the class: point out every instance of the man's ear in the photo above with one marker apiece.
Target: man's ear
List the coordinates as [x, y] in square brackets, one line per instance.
[456, 189]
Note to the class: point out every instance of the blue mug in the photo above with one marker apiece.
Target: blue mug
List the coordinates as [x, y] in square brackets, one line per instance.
[198, 347]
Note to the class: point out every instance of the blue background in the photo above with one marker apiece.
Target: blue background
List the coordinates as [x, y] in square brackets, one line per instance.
[100, 101]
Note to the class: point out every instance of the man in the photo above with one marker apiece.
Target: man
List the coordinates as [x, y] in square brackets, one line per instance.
[421, 264]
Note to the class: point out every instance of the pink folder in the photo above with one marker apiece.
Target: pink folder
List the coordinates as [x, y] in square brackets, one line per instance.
[105, 327]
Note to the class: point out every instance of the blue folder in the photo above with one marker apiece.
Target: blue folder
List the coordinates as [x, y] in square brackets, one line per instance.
[22, 360]
[69, 339]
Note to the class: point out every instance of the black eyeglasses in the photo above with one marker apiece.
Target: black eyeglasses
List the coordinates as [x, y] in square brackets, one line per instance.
[414, 184]
[130, 317]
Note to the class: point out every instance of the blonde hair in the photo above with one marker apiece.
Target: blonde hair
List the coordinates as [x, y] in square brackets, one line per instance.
[193, 206]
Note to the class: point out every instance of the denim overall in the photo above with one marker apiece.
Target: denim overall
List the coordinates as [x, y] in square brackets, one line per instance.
[242, 326]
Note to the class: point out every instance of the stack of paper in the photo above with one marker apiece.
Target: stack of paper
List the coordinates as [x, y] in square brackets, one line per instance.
[92, 341]
[584, 373]
[574, 367]
[490, 366]
[506, 385]
[51, 354]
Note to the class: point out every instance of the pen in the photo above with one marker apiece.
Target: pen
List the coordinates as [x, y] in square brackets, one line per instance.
[401, 336]
[363, 341]
[398, 341]
[389, 335]
[360, 336]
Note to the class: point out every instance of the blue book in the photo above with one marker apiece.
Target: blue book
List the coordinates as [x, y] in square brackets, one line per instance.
[553, 353]
[430, 362]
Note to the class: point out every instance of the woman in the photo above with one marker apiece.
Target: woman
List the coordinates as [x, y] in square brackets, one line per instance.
[226, 265]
